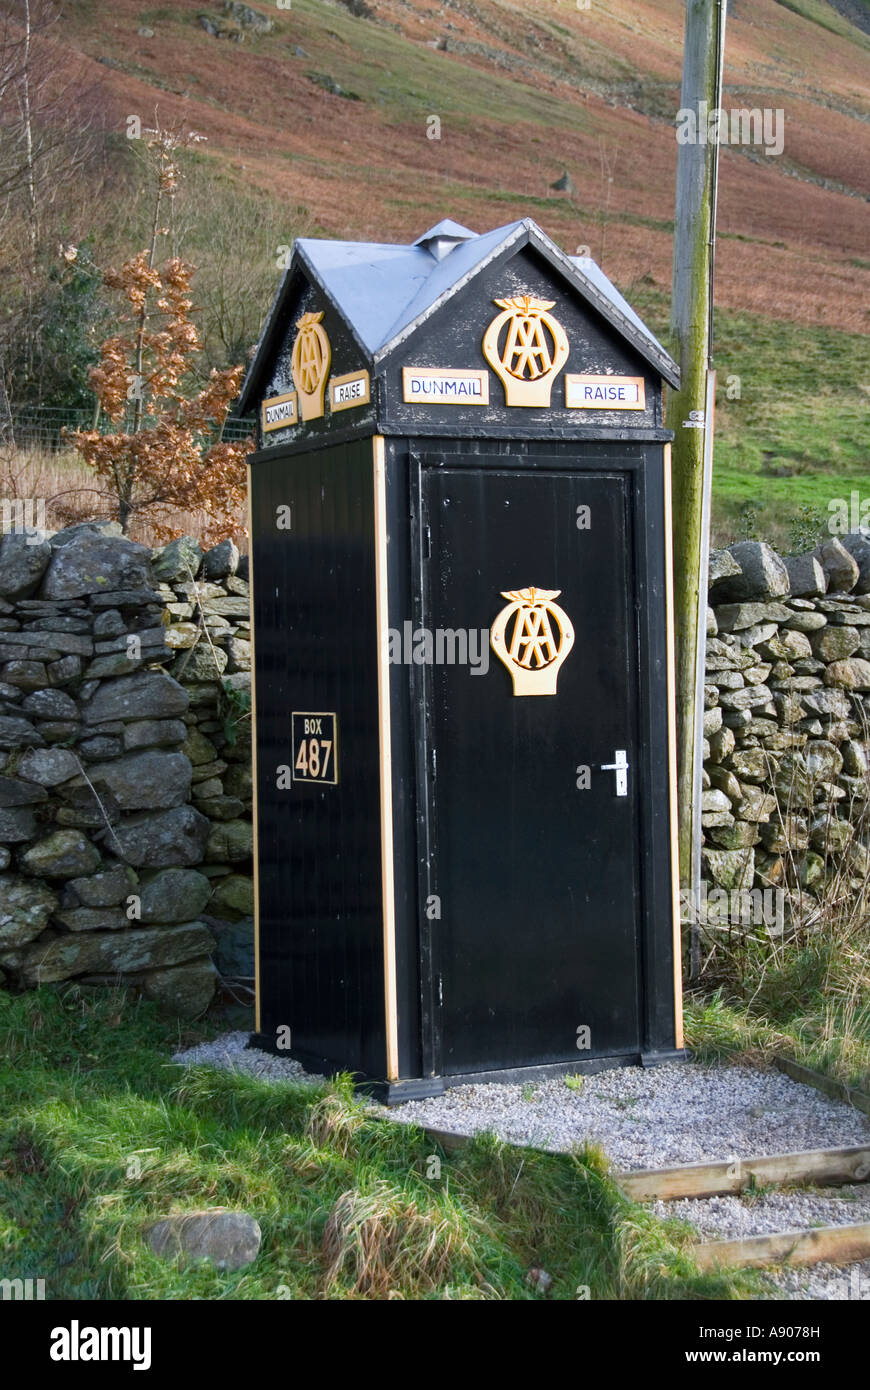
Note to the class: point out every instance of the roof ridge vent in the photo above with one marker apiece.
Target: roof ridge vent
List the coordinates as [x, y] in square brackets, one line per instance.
[443, 238]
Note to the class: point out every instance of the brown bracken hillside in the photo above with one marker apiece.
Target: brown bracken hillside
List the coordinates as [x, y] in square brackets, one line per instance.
[329, 113]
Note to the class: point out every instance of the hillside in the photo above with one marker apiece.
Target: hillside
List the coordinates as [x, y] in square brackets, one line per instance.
[524, 91]
[320, 125]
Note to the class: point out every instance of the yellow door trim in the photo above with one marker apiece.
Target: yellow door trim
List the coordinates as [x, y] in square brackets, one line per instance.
[672, 750]
[385, 762]
[254, 809]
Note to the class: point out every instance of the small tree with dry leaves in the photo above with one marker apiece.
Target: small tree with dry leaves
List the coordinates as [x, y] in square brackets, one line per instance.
[166, 455]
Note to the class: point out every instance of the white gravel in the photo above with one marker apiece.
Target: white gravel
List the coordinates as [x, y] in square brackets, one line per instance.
[733, 1218]
[653, 1118]
[828, 1282]
[230, 1052]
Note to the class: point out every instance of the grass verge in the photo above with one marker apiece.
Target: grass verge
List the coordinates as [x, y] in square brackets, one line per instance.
[792, 406]
[101, 1135]
[816, 1031]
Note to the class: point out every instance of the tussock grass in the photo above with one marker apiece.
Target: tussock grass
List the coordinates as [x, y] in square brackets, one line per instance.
[101, 1135]
[380, 1240]
[807, 998]
[335, 1121]
[805, 992]
[818, 1033]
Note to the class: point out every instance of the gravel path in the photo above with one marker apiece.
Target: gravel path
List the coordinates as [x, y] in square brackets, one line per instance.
[643, 1118]
[732, 1218]
[828, 1282]
[651, 1119]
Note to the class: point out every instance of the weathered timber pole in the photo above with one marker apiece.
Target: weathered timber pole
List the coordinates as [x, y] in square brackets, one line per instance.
[690, 409]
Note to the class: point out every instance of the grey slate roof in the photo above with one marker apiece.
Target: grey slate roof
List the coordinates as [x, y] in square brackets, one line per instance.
[385, 292]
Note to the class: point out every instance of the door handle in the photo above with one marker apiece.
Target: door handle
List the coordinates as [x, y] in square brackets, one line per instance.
[620, 767]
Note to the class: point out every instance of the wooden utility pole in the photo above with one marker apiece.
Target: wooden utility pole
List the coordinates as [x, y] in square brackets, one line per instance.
[690, 410]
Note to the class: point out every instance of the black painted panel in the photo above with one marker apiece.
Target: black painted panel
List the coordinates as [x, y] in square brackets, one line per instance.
[321, 954]
[321, 949]
[539, 882]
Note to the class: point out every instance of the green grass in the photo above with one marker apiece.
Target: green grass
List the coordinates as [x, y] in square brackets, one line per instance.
[823, 14]
[409, 81]
[810, 1026]
[101, 1136]
[799, 434]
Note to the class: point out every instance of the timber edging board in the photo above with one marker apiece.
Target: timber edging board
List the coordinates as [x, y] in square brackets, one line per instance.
[828, 1167]
[449, 1141]
[837, 1090]
[822, 1166]
[829, 1244]
[824, 1244]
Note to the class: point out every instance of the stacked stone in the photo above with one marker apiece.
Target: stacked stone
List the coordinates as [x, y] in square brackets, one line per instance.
[787, 745]
[208, 610]
[108, 867]
[125, 760]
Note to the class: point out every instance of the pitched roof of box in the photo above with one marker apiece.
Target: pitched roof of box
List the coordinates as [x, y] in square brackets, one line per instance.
[385, 292]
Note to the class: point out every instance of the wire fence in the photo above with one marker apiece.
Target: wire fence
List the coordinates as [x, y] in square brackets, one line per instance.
[42, 426]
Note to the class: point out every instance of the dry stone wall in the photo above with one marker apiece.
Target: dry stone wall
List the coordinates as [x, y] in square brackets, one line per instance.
[125, 768]
[125, 761]
[787, 742]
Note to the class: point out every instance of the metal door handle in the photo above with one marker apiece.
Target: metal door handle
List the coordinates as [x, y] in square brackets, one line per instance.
[620, 767]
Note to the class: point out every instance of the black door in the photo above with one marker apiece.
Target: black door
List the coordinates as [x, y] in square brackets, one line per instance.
[532, 882]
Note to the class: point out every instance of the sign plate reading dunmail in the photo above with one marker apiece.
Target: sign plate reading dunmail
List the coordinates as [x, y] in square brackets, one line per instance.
[445, 385]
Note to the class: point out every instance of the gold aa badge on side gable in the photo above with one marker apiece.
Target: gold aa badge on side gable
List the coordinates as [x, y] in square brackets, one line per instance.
[534, 352]
[522, 638]
[309, 362]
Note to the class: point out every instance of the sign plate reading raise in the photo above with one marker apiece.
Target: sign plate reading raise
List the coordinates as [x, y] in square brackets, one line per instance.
[445, 385]
[584, 391]
[277, 412]
[315, 748]
[350, 390]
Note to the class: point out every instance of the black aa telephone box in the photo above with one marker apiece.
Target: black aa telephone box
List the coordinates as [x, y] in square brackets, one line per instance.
[463, 693]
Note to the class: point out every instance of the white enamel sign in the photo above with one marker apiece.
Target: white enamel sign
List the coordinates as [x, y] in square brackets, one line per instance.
[445, 385]
[586, 391]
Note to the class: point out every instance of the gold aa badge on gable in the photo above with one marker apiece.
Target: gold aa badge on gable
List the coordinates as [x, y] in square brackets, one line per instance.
[309, 363]
[533, 352]
[522, 637]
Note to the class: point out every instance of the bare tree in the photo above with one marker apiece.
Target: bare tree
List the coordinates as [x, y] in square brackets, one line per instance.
[47, 137]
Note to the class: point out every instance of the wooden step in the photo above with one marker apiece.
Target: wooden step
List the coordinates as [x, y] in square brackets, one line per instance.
[837, 1090]
[835, 1245]
[821, 1167]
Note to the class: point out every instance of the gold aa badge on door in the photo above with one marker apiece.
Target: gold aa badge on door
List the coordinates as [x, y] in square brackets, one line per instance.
[534, 351]
[309, 363]
[524, 639]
